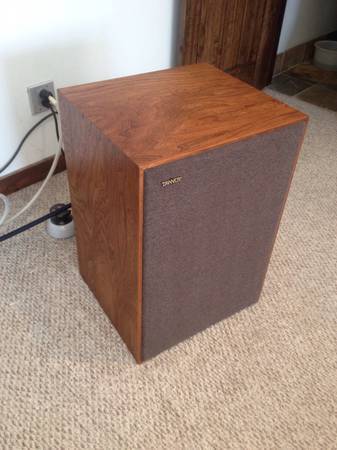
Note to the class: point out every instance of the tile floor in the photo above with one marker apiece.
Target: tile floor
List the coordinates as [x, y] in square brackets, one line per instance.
[308, 83]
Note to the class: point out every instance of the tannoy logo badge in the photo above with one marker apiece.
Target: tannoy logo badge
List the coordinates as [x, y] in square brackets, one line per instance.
[171, 181]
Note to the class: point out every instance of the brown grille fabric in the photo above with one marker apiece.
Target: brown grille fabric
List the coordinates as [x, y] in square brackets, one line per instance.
[208, 238]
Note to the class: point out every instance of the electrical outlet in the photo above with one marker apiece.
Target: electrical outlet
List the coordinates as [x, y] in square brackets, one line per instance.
[34, 96]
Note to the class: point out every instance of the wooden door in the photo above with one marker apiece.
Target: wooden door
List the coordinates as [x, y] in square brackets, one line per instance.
[238, 36]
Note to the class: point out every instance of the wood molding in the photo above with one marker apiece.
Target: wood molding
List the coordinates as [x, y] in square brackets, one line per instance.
[29, 175]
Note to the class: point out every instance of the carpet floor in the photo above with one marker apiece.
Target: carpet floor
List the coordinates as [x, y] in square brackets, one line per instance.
[266, 378]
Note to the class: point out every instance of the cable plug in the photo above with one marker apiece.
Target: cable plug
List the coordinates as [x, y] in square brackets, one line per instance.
[47, 99]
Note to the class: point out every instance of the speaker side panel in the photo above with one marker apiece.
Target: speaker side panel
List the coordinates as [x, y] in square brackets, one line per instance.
[208, 237]
[106, 195]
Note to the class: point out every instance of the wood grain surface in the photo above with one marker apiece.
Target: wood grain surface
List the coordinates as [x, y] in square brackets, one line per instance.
[239, 36]
[106, 193]
[167, 115]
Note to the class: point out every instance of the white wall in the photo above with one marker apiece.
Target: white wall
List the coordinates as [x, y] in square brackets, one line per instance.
[72, 42]
[305, 20]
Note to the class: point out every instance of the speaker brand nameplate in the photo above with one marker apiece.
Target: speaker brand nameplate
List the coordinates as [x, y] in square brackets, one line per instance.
[170, 181]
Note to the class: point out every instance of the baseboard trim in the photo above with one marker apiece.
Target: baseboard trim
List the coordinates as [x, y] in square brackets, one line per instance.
[29, 175]
[300, 54]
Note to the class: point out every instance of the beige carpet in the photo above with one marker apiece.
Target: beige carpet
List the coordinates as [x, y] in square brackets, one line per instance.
[265, 378]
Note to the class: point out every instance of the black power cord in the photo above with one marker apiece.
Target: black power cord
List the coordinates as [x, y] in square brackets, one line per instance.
[23, 140]
[55, 122]
[35, 222]
[45, 96]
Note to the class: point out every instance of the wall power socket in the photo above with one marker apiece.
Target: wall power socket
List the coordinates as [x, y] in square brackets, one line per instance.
[34, 96]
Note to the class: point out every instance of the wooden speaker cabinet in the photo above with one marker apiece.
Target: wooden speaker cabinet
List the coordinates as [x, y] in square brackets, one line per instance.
[178, 180]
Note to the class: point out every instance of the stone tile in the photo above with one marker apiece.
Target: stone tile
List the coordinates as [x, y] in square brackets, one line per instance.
[320, 95]
[288, 85]
[313, 74]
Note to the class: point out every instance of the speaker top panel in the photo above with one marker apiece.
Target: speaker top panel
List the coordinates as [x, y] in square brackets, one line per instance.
[158, 117]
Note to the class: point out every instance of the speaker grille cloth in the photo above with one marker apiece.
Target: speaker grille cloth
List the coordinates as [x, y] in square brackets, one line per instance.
[208, 238]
